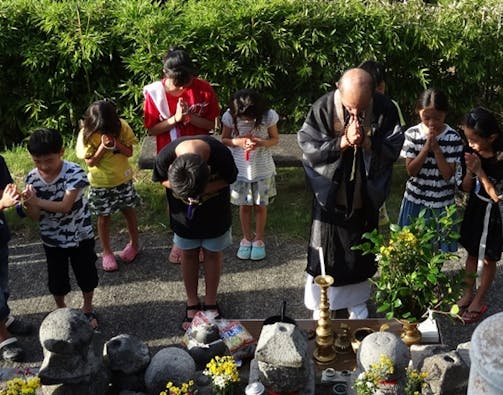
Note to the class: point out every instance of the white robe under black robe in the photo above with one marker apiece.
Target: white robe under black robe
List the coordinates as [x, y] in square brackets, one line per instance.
[349, 187]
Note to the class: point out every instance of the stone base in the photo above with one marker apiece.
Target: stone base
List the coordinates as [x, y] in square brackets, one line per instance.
[309, 387]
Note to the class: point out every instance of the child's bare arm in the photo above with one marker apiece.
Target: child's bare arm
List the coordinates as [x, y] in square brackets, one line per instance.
[446, 169]
[413, 165]
[271, 141]
[230, 141]
[215, 186]
[32, 211]
[488, 186]
[474, 166]
[63, 206]
[96, 158]
[126, 150]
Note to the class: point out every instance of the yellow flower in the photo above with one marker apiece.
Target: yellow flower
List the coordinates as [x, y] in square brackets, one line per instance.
[21, 386]
[223, 371]
[184, 389]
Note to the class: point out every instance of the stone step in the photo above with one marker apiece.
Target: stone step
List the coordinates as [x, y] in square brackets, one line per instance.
[286, 154]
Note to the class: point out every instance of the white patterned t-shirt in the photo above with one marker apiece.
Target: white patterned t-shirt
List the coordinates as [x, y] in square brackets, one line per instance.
[63, 230]
[428, 187]
[260, 164]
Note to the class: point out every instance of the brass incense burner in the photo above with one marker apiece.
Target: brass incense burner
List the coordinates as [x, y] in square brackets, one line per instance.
[324, 352]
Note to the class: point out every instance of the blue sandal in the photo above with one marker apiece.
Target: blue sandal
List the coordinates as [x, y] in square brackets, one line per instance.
[245, 249]
[257, 251]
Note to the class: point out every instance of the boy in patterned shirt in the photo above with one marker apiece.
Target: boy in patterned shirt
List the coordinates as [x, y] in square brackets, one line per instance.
[54, 196]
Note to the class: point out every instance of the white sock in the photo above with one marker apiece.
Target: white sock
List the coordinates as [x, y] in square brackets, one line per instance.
[358, 312]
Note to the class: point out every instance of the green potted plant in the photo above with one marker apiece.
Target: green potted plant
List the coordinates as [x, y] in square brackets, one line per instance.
[410, 280]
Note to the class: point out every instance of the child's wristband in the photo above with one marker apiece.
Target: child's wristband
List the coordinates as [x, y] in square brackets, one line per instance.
[19, 210]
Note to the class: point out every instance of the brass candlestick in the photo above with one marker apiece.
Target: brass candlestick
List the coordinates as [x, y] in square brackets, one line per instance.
[324, 352]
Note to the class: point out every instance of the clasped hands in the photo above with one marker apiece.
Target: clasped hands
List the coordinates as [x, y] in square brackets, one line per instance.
[431, 140]
[182, 110]
[354, 134]
[472, 163]
[108, 142]
[12, 196]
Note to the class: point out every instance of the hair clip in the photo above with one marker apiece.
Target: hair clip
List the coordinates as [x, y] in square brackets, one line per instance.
[193, 202]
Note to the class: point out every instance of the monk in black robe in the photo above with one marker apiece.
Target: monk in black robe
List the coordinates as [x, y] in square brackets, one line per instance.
[350, 140]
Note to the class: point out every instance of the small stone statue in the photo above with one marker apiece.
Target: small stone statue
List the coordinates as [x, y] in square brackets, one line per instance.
[73, 362]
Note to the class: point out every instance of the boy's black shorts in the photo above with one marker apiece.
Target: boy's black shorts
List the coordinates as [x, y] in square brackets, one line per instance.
[83, 260]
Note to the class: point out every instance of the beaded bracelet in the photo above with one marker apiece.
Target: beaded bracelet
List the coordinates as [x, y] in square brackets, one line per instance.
[352, 144]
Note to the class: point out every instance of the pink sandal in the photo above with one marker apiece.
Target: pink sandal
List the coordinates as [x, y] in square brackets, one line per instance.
[109, 263]
[128, 254]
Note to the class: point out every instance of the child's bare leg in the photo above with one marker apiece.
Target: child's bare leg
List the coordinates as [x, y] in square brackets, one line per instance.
[132, 226]
[470, 270]
[87, 305]
[260, 221]
[4, 333]
[486, 280]
[190, 274]
[104, 233]
[245, 219]
[60, 301]
[212, 272]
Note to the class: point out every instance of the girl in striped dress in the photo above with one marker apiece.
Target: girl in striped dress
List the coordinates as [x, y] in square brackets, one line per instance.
[249, 129]
[432, 150]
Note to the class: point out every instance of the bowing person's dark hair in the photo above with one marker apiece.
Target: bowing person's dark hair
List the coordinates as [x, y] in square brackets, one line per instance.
[485, 124]
[45, 141]
[178, 66]
[101, 116]
[247, 103]
[188, 176]
[432, 98]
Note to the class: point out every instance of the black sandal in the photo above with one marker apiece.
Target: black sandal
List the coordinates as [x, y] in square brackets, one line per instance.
[216, 307]
[188, 320]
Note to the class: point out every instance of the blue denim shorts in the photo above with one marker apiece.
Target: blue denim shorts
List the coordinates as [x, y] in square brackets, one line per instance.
[215, 244]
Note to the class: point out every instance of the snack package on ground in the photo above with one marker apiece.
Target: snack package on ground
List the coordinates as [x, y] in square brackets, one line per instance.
[237, 338]
[201, 318]
[204, 342]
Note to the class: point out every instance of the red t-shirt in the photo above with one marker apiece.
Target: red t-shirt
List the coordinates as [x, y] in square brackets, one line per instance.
[202, 101]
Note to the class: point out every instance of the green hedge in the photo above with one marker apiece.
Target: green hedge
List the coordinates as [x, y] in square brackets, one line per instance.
[57, 57]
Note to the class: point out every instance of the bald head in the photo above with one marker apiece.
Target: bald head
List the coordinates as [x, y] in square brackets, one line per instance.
[357, 88]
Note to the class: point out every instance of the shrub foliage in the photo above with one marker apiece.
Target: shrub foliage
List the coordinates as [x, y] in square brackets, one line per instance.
[57, 57]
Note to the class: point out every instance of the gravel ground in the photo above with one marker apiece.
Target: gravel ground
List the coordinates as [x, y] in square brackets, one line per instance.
[146, 298]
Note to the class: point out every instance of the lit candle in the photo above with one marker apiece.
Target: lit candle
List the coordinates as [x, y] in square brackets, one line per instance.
[322, 261]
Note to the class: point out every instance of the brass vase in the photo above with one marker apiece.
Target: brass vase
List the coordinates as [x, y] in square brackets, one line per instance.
[410, 334]
[324, 352]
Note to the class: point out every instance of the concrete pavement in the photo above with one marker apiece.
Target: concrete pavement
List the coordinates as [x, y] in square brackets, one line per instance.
[146, 298]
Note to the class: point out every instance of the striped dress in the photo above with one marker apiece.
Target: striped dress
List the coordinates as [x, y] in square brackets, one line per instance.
[428, 188]
[260, 164]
